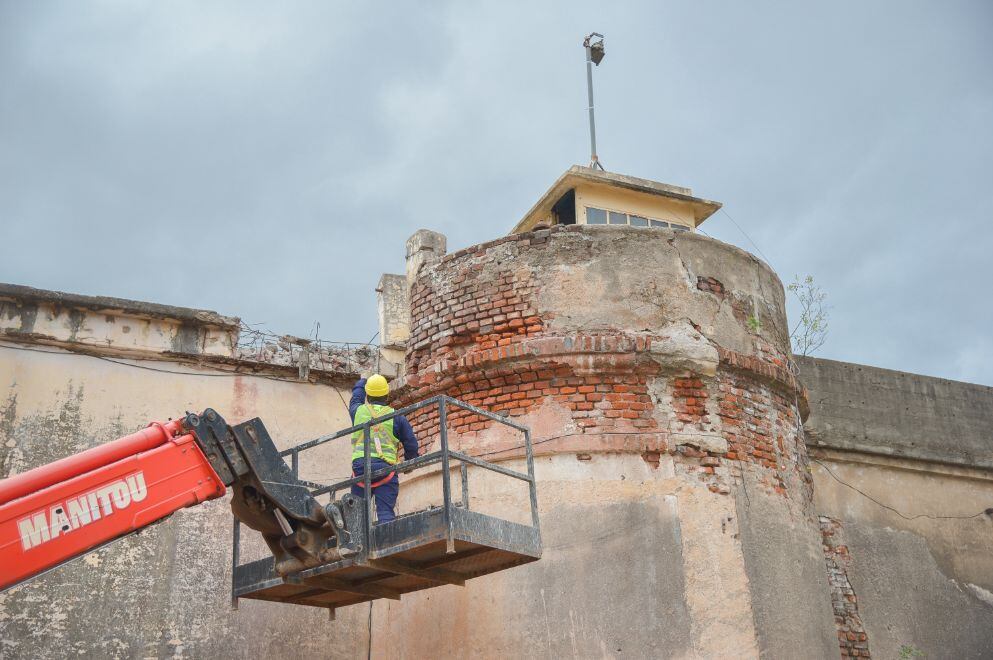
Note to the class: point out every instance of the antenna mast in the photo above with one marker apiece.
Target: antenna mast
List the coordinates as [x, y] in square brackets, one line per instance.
[594, 55]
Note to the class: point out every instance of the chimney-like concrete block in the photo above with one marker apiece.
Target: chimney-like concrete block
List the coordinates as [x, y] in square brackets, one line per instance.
[424, 247]
[394, 311]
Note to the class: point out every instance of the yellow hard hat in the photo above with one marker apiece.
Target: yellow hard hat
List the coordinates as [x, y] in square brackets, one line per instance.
[377, 386]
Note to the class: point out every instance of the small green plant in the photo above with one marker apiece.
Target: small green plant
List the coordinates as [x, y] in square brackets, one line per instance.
[909, 652]
[754, 324]
[810, 332]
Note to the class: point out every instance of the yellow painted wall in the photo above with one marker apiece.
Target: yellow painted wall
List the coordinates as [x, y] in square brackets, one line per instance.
[631, 202]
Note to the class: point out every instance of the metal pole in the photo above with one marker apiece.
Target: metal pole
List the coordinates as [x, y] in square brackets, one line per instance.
[295, 462]
[532, 487]
[235, 558]
[464, 470]
[446, 477]
[367, 488]
[594, 161]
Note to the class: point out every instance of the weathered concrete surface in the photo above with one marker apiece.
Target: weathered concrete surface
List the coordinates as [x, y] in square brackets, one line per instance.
[903, 462]
[126, 326]
[906, 599]
[163, 592]
[27, 294]
[393, 306]
[637, 563]
[423, 247]
[785, 567]
[939, 538]
[599, 278]
[893, 413]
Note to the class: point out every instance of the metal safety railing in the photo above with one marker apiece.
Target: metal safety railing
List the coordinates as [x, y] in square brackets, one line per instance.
[445, 455]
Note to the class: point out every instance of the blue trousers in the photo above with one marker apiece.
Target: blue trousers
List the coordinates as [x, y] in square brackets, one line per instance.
[385, 495]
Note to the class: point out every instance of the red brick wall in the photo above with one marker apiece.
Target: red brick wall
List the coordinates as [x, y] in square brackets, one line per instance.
[761, 427]
[852, 638]
[598, 403]
[477, 335]
[474, 307]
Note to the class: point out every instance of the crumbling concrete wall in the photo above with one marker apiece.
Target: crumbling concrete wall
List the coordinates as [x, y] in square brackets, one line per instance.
[903, 472]
[126, 326]
[393, 306]
[654, 370]
[892, 413]
[165, 591]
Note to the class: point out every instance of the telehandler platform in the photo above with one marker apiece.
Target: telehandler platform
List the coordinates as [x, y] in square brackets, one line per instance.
[446, 544]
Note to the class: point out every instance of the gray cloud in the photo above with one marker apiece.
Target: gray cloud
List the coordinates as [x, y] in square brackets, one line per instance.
[269, 159]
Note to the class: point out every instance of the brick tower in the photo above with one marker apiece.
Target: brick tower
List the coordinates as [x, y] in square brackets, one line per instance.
[653, 366]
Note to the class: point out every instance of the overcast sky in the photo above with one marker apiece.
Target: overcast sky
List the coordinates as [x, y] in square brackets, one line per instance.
[268, 160]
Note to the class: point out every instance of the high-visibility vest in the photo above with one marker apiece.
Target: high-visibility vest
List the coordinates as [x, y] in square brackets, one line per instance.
[383, 442]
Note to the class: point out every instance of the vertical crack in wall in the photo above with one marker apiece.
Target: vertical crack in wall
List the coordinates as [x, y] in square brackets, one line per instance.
[8, 416]
[852, 638]
[690, 276]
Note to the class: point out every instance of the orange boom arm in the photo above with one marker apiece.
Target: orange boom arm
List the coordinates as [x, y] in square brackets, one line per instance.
[59, 511]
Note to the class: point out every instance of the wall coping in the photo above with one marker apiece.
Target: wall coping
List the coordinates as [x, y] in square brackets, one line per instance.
[105, 304]
[541, 236]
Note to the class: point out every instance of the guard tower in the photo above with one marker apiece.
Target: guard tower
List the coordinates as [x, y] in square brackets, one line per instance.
[587, 196]
[653, 364]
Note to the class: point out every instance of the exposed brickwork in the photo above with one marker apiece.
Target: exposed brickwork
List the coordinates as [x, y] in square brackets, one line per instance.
[761, 428]
[746, 413]
[597, 404]
[770, 365]
[710, 284]
[852, 638]
[482, 306]
[741, 306]
[758, 423]
[478, 334]
[689, 401]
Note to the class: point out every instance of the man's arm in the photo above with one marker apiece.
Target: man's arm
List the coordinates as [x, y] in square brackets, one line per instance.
[358, 397]
[405, 434]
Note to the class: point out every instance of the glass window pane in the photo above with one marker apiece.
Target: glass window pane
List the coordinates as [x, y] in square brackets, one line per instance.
[595, 216]
[638, 221]
[676, 227]
[618, 218]
[659, 223]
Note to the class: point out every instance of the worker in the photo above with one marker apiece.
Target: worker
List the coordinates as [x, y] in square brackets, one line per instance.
[368, 402]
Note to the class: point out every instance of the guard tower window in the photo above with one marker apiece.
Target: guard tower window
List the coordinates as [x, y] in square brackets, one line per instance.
[564, 210]
[595, 216]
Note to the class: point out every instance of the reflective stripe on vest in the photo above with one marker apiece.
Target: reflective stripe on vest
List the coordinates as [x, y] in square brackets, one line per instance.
[383, 443]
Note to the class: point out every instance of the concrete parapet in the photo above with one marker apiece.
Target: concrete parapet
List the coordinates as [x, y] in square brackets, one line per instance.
[394, 311]
[423, 247]
[112, 324]
[893, 413]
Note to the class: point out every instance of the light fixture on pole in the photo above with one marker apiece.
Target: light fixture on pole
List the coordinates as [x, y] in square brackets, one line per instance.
[594, 55]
